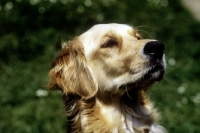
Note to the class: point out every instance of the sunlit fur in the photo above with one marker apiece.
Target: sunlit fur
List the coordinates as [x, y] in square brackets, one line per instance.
[101, 74]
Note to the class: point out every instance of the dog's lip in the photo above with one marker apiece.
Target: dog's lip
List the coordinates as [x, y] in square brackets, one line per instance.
[156, 68]
[147, 79]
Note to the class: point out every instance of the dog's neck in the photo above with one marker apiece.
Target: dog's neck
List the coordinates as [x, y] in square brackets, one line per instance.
[128, 113]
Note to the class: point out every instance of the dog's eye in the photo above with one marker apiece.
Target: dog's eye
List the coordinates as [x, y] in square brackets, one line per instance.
[138, 37]
[110, 43]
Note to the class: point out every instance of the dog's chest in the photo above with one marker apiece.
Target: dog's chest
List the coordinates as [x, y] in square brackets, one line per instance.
[101, 119]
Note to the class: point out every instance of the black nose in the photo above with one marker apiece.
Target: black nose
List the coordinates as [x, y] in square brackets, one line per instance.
[154, 49]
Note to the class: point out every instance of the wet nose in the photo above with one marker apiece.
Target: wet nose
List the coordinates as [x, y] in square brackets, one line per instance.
[154, 49]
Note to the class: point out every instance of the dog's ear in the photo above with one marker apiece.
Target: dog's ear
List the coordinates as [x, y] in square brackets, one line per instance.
[70, 72]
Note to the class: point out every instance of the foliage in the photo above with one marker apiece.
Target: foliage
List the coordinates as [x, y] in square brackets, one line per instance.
[30, 36]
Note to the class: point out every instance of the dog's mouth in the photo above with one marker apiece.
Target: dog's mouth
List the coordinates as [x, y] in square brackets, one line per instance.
[152, 74]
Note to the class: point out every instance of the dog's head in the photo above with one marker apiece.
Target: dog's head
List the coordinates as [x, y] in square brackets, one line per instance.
[107, 58]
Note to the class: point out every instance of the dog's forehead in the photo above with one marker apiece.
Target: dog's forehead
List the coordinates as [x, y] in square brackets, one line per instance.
[101, 29]
[91, 38]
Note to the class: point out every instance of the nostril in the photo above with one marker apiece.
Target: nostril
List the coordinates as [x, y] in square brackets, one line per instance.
[154, 49]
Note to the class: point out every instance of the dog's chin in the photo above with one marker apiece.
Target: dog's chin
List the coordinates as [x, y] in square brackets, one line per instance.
[155, 73]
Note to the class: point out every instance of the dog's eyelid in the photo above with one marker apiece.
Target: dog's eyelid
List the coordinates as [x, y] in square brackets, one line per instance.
[138, 37]
[110, 43]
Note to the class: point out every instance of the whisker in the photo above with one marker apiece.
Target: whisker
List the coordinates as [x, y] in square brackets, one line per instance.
[138, 28]
[128, 93]
[146, 33]
[146, 27]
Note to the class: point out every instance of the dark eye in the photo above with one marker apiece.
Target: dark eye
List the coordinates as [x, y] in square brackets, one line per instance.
[110, 43]
[138, 37]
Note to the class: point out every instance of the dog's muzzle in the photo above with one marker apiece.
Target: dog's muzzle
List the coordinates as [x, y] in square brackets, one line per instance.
[154, 50]
[155, 68]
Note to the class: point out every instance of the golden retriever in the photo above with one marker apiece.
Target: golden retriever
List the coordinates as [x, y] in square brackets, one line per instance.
[104, 74]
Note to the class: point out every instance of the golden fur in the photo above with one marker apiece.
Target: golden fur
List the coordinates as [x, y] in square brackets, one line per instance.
[104, 74]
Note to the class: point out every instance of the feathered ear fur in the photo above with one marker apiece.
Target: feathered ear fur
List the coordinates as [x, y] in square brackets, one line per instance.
[70, 72]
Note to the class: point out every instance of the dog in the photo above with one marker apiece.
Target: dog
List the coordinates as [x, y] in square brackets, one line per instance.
[104, 74]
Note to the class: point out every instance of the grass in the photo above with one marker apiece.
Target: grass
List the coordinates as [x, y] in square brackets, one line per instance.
[22, 109]
[29, 44]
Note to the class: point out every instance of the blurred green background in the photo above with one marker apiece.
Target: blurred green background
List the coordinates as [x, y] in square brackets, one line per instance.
[30, 36]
